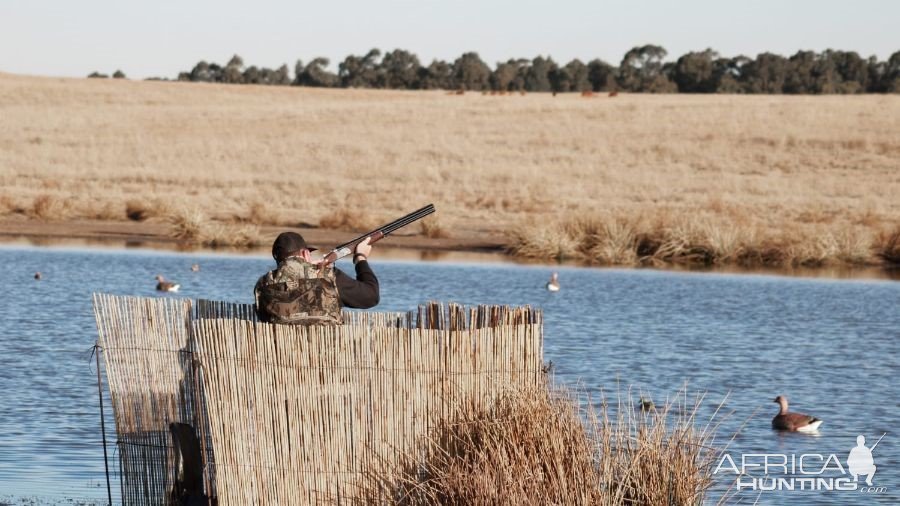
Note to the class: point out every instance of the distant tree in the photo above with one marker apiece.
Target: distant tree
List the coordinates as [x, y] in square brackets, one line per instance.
[235, 61]
[201, 72]
[97, 75]
[642, 70]
[523, 68]
[118, 74]
[574, 76]
[707, 72]
[765, 74]
[251, 75]
[884, 77]
[729, 74]
[470, 72]
[892, 74]
[538, 74]
[696, 72]
[233, 72]
[875, 71]
[601, 75]
[438, 75]
[503, 75]
[826, 78]
[799, 76]
[852, 72]
[315, 74]
[809, 72]
[282, 76]
[360, 71]
[399, 69]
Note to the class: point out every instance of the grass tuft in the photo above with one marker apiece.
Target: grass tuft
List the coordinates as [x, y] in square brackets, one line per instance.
[431, 227]
[347, 219]
[228, 236]
[538, 446]
[551, 242]
[189, 224]
[49, 207]
[887, 246]
[139, 210]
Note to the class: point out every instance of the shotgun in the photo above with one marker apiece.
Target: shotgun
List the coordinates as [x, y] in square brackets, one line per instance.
[376, 235]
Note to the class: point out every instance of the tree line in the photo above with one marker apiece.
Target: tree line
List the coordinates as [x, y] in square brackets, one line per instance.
[643, 69]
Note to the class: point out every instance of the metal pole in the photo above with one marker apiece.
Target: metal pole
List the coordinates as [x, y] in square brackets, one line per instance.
[103, 424]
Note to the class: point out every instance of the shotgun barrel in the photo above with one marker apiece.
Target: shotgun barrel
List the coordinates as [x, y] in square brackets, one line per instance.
[378, 234]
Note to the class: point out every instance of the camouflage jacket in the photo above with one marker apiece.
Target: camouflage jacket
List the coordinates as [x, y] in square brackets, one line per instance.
[298, 292]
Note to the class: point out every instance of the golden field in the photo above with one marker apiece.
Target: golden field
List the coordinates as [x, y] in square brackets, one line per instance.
[635, 179]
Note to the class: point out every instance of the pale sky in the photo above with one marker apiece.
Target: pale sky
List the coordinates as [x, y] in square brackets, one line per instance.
[163, 37]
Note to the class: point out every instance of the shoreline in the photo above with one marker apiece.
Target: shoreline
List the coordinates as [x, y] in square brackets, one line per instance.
[480, 248]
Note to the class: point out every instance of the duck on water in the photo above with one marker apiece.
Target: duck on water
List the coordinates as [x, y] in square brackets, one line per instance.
[553, 284]
[166, 286]
[793, 422]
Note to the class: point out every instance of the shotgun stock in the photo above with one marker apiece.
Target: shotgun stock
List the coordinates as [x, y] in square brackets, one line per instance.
[376, 235]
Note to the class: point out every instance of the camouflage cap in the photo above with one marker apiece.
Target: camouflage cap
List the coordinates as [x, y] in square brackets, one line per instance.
[287, 243]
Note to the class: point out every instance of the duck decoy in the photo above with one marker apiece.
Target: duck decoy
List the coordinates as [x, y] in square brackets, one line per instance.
[166, 286]
[195, 268]
[38, 276]
[793, 422]
[553, 284]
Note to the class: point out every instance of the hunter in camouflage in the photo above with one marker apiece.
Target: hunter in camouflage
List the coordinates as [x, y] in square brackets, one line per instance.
[302, 292]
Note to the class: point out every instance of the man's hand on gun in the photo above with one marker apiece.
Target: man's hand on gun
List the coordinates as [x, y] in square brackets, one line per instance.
[363, 248]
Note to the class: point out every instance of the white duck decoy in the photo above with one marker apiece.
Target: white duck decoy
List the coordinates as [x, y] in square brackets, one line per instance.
[553, 284]
[195, 268]
[166, 286]
[793, 422]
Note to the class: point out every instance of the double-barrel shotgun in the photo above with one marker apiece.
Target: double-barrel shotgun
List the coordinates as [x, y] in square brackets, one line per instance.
[376, 235]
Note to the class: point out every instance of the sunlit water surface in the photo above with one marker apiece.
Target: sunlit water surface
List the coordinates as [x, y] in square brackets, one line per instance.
[832, 347]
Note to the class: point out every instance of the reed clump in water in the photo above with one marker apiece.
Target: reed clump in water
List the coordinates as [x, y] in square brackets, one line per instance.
[191, 226]
[663, 239]
[539, 447]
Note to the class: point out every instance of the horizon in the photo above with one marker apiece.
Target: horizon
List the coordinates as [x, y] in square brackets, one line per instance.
[164, 38]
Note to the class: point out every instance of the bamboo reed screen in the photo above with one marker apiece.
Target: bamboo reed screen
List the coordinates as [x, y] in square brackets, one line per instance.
[297, 415]
[145, 344]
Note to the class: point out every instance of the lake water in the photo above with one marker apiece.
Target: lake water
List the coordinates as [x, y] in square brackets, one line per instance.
[832, 347]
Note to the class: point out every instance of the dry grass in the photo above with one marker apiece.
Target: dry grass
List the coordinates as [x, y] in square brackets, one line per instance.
[140, 210]
[348, 219]
[228, 236]
[431, 227]
[48, 207]
[763, 171]
[684, 239]
[190, 225]
[107, 211]
[539, 447]
[887, 246]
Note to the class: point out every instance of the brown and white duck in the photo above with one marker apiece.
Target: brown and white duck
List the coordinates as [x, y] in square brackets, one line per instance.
[195, 268]
[166, 286]
[794, 422]
[553, 284]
